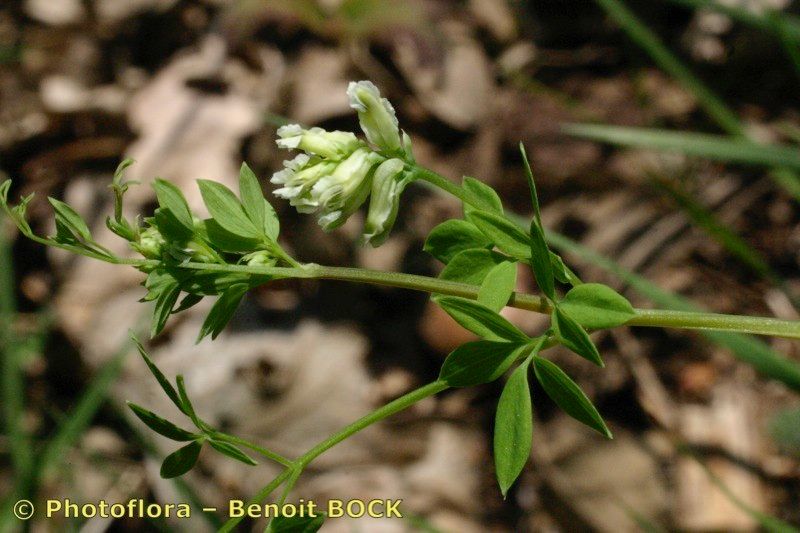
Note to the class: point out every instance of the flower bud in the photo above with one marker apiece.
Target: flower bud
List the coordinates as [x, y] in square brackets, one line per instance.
[151, 243]
[375, 114]
[260, 258]
[198, 252]
[387, 184]
[317, 141]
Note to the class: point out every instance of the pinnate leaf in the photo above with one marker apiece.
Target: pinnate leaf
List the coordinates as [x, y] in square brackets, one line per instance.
[166, 386]
[252, 196]
[165, 302]
[68, 219]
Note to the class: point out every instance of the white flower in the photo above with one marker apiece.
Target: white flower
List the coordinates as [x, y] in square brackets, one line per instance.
[375, 114]
[336, 172]
[317, 141]
[343, 191]
[387, 184]
[298, 177]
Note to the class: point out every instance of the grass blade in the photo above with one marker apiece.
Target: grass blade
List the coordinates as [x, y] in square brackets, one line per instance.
[74, 424]
[715, 147]
[708, 100]
[12, 380]
[666, 60]
[705, 219]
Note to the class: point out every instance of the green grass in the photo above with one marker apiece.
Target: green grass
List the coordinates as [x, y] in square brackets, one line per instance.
[711, 103]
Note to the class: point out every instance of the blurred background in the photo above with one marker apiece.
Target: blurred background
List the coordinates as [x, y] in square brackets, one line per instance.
[707, 427]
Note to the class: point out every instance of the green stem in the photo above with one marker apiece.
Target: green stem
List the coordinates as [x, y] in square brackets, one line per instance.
[713, 321]
[293, 472]
[529, 302]
[384, 412]
[658, 318]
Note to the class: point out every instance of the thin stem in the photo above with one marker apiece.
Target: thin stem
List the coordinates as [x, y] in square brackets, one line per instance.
[712, 321]
[529, 302]
[437, 180]
[256, 448]
[293, 472]
[384, 412]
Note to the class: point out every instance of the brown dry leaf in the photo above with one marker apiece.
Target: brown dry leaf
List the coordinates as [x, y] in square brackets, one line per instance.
[598, 481]
[730, 423]
[459, 89]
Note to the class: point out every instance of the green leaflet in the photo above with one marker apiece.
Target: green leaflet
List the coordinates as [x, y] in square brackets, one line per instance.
[232, 451]
[562, 272]
[567, 395]
[165, 302]
[226, 241]
[479, 362]
[541, 262]
[186, 404]
[503, 233]
[171, 200]
[574, 337]
[256, 207]
[181, 461]
[222, 311]
[537, 214]
[272, 225]
[472, 266]
[160, 377]
[454, 236]
[227, 210]
[252, 196]
[481, 197]
[480, 320]
[498, 286]
[596, 306]
[67, 219]
[513, 428]
[160, 425]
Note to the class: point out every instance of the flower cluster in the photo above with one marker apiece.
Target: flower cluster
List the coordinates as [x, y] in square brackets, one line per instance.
[336, 172]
